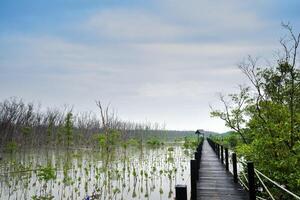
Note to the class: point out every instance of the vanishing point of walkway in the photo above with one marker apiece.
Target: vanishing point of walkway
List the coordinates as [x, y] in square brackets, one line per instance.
[215, 183]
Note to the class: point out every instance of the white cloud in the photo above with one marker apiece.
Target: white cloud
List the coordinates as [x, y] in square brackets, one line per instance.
[133, 25]
[216, 15]
[172, 89]
[193, 50]
[152, 63]
[175, 20]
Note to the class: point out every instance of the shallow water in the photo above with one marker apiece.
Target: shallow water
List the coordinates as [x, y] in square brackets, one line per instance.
[132, 173]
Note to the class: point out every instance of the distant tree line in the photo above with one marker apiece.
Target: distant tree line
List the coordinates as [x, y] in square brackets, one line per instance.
[28, 125]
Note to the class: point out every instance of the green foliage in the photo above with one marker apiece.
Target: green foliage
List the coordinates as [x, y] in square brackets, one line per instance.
[154, 142]
[116, 190]
[67, 178]
[68, 128]
[190, 142]
[50, 129]
[178, 139]
[230, 139]
[130, 142]
[133, 142]
[101, 140]
[234, 113]
[26, 130]
[171, 149]
[11, 147]
[46, 173]
[112, 138]
[268, 120]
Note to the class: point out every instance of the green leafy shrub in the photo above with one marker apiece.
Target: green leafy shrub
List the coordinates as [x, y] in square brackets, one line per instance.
[46, 173]
[11, 147]
[68, 128]
[154, 142]
[26, 130]
[190, 142]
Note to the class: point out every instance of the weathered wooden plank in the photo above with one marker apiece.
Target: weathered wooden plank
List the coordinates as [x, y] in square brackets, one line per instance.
[214, 181]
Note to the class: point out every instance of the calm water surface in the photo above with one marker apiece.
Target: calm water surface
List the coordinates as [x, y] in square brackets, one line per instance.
[131, 173]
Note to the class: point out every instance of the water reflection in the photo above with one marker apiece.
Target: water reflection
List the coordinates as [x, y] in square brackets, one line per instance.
[123, 173]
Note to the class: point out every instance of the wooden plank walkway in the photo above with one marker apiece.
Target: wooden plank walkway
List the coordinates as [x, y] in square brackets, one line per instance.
[214, 181]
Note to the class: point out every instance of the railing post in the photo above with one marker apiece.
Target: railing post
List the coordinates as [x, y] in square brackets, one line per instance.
[234, 165]
[226, 159]
[222, 155]
[197, 165]
[251, 180]
[199, 157]
[180, 192]
[199, 150]
[193, 180]
[215, 146]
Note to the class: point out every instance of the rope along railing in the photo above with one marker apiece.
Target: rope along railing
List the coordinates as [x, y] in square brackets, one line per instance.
[251, 179]
[181, 190]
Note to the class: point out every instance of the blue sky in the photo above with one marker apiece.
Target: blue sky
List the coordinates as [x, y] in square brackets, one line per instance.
[160, 60]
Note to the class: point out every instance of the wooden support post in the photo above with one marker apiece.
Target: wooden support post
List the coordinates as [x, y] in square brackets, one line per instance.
[197, 164]
[215, 146]
[226, 159]
[250, 167]
[193, 180]
[180, 192]
[234, 165]
[200, 152]
[222, 154]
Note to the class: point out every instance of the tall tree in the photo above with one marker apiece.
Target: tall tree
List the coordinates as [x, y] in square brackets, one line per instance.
[270, 114]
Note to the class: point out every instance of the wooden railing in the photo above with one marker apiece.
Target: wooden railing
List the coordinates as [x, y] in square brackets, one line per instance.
[253, 175]
[181, 190]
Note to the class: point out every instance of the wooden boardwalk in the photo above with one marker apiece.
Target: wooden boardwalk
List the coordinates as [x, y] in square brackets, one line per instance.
[214, 181]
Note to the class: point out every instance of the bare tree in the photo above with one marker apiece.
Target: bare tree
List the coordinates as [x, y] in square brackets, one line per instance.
[290, 46]
[285, 77]
[234, 113]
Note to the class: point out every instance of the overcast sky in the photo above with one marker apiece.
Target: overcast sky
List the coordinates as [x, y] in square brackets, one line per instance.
[154, 60]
